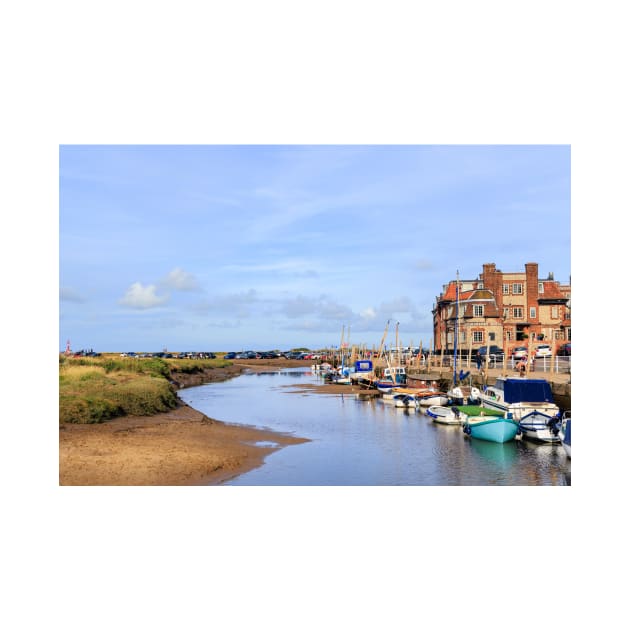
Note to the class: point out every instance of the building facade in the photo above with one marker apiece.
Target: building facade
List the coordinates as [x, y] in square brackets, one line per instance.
[505, 309]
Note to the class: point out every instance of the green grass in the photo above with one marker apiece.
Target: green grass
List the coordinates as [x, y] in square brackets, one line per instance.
[98, 389]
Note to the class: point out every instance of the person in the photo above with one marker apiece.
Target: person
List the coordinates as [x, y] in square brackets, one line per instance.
[522, 366]
[478, 361]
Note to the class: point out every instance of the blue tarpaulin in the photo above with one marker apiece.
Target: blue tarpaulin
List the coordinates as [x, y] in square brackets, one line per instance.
[527, 390]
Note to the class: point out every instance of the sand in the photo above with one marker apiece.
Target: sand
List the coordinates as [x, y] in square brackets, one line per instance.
[179, 447]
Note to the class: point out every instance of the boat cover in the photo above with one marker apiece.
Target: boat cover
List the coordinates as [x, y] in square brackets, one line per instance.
[527, 390]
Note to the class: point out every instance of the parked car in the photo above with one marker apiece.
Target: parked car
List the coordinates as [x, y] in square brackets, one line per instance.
[496, 353]
[519, 352]
[543, 351]
[230, 355]
[564, 350]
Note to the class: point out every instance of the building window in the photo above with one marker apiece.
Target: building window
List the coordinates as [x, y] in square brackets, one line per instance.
[532, 312]
[554, 312]
[491, 336]
[477, 310]
[517, 288]
[478, 336]
[541, 287]
[506, 289]
[506, 313]
[518, 312]
[480, 285]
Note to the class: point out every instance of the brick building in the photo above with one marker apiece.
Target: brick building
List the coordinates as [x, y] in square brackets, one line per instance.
[505, 309]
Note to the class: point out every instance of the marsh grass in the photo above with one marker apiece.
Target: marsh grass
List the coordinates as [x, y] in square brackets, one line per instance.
[97, 389]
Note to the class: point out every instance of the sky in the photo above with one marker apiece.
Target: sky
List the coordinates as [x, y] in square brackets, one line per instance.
[235, 247]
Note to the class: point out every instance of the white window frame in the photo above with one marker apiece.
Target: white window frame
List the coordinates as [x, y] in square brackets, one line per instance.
[506, 289]
[532, 312]
[477, 310]
[517, 288]
[478, 336]
[517, 312]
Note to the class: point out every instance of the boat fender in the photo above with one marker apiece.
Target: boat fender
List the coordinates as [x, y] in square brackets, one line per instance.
[466, 429]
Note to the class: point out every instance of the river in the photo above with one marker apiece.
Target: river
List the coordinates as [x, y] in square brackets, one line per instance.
[358, 442]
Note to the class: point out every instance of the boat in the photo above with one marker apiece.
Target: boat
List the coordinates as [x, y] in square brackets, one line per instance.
[394, 397]
[445, 415]
[456, 414]
[565, 432]
[464, 395]
[530, 402]
[430, 399]
[406, 400]
[491, 428]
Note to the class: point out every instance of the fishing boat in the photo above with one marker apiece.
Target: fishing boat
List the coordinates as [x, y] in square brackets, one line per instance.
[565, 432]
[491, 428]
[530, 401]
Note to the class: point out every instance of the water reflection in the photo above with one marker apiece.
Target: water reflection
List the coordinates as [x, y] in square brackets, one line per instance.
[361, 441]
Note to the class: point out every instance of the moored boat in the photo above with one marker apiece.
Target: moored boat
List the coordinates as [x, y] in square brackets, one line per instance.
[530, 401]
[445, 415]
[406, 400]
[464, 395]
[491, 428]
[565, 432]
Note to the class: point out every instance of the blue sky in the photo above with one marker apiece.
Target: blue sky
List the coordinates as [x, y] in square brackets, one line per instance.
[259, 247]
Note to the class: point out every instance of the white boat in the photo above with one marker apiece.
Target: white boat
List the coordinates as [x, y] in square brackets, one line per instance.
[432, 399]
[530, 402]
[392, 398]
[446, 415]
[406, 400]
[565, 432]
[464, 395]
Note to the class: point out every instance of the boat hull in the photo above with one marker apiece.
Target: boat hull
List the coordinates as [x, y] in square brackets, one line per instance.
[539, 427]
[491, 429]
[445, 415]
[565, 436]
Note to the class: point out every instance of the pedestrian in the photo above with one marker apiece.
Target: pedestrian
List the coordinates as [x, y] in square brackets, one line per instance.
[522, 366]
[478, 360]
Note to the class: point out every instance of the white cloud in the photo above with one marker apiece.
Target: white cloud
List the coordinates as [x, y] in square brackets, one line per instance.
[140, 297]
[180, 280]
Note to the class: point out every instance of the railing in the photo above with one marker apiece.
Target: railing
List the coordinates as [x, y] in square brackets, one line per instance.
[547, 364]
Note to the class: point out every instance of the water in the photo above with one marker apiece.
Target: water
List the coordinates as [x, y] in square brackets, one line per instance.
[359, 442]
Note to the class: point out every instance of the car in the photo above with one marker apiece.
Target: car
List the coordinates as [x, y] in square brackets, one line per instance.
[564, 350]
[230, 355]
[543, 351]
[496, 353]
[519, 352]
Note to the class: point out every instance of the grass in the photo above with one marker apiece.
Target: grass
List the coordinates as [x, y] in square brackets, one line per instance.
[96, 389]
[93, 390]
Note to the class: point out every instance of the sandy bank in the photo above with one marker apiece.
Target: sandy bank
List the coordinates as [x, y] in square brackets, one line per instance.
[180, 447]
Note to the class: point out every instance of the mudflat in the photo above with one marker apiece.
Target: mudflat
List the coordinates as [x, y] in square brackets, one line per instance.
[180, 447]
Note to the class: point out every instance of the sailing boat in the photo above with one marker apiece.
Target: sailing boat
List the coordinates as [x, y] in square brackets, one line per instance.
[394, 376]
[460, 394]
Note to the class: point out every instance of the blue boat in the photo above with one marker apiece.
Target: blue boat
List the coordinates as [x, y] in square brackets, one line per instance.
[491, 428]
[565, 432]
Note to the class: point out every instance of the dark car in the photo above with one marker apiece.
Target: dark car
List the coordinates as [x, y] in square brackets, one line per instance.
[496, 353]
[564, 350]
[230, 355]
